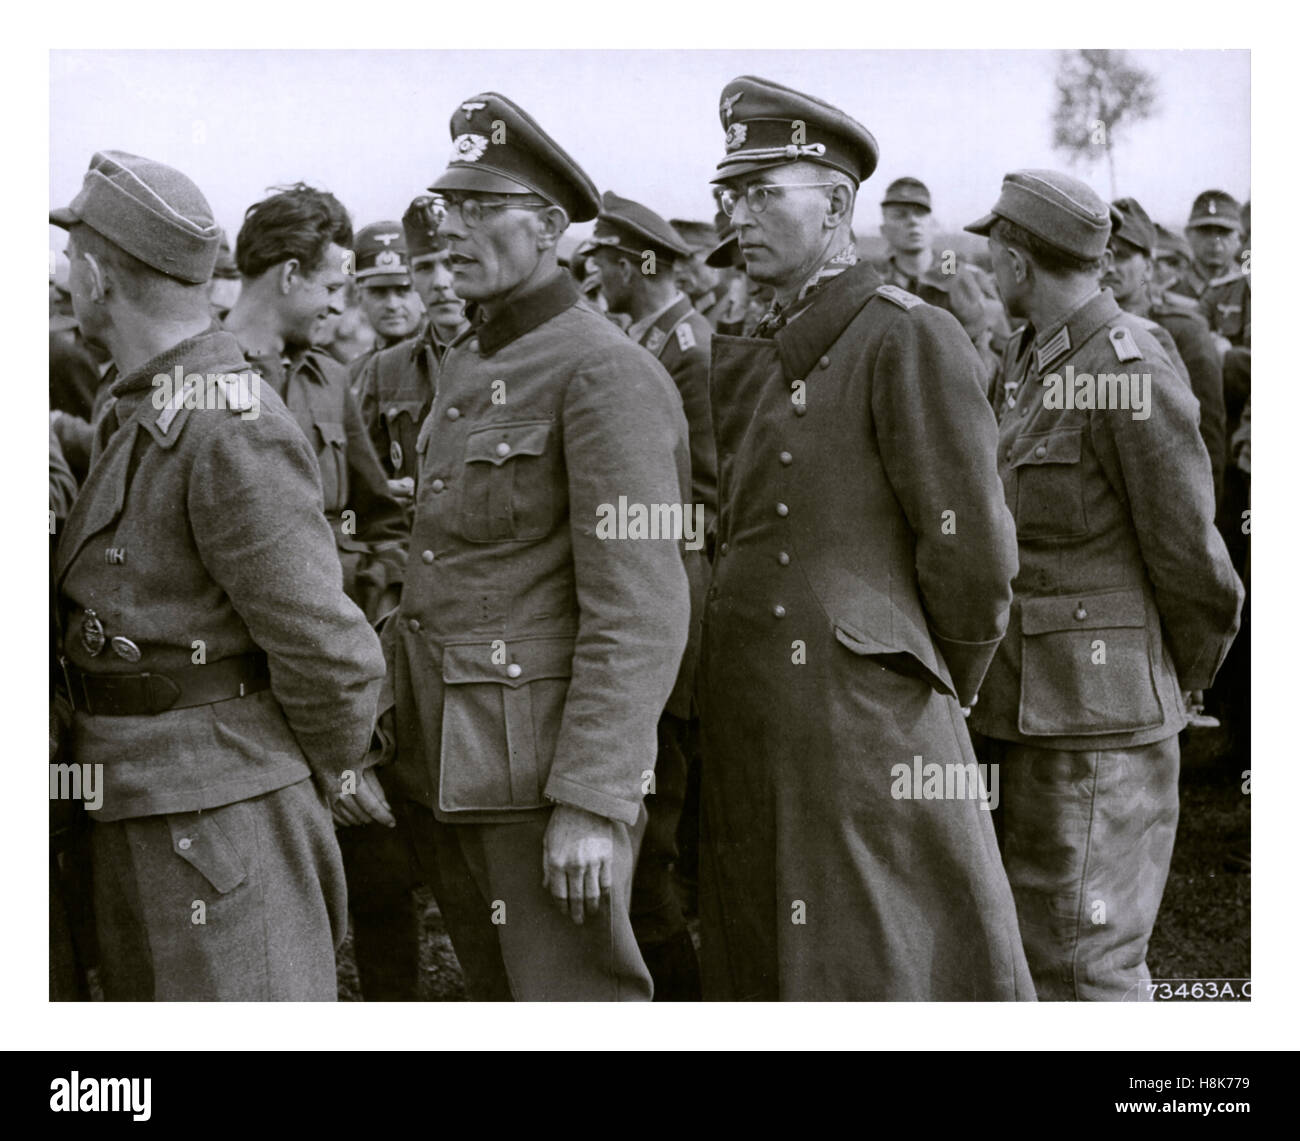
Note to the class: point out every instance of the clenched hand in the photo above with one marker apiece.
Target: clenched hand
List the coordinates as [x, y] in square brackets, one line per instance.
[577, 860]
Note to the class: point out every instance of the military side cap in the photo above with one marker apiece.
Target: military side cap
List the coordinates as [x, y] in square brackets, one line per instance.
[698, 235]
[1170, 244]
[381, 258]
[151, 211]
[1064, 212]
[1215, 208]
[627, 225]
[420, 228]
[907, 192]
[769, 125]
[498, 148]
[1137, 229]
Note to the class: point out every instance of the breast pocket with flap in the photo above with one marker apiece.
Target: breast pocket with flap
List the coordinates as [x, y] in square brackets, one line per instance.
[1049, 485]
[509, 491]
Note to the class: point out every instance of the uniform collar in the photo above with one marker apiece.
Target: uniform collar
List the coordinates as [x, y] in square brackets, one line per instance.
[1073, 329]
[807, 337]
[525, 314]
[638, 329]
[213, 350]
[933, 276]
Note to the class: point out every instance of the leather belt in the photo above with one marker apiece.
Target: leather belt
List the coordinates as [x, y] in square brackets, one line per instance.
[134, 695]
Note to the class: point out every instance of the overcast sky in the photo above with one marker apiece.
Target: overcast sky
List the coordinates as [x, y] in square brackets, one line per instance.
[372, 126]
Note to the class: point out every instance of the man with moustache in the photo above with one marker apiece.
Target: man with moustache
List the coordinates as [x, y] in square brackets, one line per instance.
[1125, 598]
[213, 663]
[1214, 232]
[861, 582]
[531, 657]
[293, 253]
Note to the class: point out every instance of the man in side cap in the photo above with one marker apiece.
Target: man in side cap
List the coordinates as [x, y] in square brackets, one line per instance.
[861, 581]
[637, 252]
[214, 664]
[1125, 597]
[535, 646]
[293, 253]
[1130, 275]
[907, 225]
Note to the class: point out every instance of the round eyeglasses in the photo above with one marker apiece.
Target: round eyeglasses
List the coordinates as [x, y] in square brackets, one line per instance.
[758, 195]
[473, 207]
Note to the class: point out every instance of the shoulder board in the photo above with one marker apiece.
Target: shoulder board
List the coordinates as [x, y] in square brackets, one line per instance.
[685, 337]
[1124, 344]
[899, 297]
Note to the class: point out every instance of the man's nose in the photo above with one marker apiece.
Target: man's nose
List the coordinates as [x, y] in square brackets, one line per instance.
[337, 303]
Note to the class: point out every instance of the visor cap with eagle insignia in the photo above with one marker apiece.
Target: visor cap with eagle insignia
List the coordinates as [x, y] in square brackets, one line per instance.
[629, 226]
[1062, 211]
[381, 255]
[150, 210]
[420, 226]
[769, 125]
[1215, 209]
[498, 148]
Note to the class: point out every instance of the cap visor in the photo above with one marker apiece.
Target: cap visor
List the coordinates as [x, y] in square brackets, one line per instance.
[907, 202]
[725, 254]
[982, 225]
[1200, 224]
[380, 279]
[729, 170]
[487, 181]
[63, 217]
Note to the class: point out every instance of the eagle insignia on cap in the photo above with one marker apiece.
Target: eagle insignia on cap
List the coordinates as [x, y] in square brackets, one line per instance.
[385, 239]
[729, 103]
[470, 108]
[736, 135]
[386, 258]
[468, 148]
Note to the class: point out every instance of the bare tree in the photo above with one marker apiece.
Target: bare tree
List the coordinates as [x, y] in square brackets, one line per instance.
[1098, 93]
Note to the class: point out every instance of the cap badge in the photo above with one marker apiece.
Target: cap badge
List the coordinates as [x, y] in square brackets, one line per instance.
[470, 108]
[385, 259]
[1210, 207]
[92, 633]
[386, 239]
[736, 135]
[729, 103]
[468, 148]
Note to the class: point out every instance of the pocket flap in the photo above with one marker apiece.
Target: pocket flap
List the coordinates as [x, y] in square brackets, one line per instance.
[502, 441]
[1087, 612]
[332, 432]
[198, 839]
[492, 661]
[898, 659]
[1048, 448]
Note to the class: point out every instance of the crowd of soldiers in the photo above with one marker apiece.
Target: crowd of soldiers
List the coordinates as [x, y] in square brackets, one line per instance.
[340, 613]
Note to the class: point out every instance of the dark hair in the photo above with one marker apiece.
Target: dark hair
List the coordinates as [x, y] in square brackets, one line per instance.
[1046, 257]
[297, 221]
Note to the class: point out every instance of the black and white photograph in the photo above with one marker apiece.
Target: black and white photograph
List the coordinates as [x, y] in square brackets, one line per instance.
[691, 525]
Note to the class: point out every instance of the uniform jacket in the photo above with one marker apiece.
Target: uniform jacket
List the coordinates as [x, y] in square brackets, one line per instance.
[395, 390]
[1125, 594]
[861, 583]
[531, 658]
[313, 386]
[1226, 306]
[680, 339]
[200, 529]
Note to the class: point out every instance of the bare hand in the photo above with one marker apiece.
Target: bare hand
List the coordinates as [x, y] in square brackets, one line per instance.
[577, 860]
[367, 805]
[403, 490]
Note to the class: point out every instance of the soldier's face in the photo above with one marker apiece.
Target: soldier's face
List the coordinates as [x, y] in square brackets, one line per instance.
[313, 297]
[1008, 274]
[784, 244]
[433, 282]
[1214, 247]
[91, 318]
[693, 277]
[494, 258]
[613, 280]
[392, 310]
[1126, 274]
[906, 228]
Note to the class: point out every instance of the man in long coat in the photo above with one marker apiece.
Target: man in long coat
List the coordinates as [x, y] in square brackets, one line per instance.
[861, 583]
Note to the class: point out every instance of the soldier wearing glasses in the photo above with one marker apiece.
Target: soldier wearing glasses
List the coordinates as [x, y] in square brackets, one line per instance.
[861, 584]
[532, 654]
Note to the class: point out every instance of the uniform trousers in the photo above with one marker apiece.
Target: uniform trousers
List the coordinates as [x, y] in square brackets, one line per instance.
[510, 938]
[245, 902]
[1086, 839]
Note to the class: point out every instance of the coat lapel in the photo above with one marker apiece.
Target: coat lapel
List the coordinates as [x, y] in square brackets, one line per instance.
[810, 334]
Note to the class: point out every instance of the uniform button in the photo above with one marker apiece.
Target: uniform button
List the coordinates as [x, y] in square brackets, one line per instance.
[1040, 451]
[778, 611]
[503, 449]
[1081, 613]
[413, 623]
[801, 410]
[782, 510]
[825, 362]
[392, 412]
[787, 458]
[426, 556]
[514, 669]
[453, 413]
[437, 485]
[1025, 410]
[723, 549]
[783, 558]
[183, 843]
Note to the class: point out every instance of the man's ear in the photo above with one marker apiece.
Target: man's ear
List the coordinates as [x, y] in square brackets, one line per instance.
[839, 206]
[286, 275]
[99, 282]
[551, 223]
[1107, 261]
